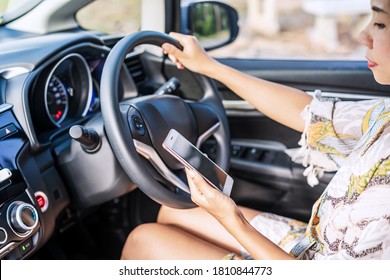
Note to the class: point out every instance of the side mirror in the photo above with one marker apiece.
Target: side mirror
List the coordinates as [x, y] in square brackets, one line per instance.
[215, 24]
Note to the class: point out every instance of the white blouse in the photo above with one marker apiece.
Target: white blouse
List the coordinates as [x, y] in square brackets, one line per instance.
[351, 219]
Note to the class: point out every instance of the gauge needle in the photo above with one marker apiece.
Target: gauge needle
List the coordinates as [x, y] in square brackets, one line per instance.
[70, 91]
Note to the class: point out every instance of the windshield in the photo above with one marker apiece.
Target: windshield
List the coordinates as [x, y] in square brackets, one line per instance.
[111, 16]
[12, 9]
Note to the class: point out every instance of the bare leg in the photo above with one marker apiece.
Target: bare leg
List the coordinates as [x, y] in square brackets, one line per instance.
[201, 224]
[157, 241]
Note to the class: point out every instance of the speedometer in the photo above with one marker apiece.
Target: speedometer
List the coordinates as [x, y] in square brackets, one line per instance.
[68, 90]
[56, 100]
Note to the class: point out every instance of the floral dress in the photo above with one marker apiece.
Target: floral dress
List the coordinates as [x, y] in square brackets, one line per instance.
[351, 219]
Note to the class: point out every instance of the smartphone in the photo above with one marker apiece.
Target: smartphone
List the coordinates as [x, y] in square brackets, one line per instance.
[192, 158]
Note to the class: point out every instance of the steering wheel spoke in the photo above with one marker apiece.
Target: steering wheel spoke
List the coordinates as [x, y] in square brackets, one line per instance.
[152, 156]
[207, 134]
[207, 121]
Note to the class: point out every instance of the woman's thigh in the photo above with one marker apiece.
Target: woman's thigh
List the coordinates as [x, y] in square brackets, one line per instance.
[202, 224]
[159, 242]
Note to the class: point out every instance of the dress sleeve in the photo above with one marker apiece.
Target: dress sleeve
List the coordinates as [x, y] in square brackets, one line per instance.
[332, 131]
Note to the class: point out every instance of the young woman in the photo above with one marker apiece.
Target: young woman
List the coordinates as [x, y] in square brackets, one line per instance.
[351, 219]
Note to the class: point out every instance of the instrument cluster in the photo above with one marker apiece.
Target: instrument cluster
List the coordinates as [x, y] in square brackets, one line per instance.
[66, 91]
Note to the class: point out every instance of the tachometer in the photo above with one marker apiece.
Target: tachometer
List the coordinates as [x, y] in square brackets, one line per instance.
[56, 100]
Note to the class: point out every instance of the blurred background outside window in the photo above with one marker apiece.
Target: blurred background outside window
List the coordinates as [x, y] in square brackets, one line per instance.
[298, 29]
[269, 29]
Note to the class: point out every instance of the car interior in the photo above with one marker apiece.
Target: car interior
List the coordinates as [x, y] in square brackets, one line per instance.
[83, 116]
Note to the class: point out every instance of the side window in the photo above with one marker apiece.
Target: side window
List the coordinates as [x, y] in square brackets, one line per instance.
[298, 29]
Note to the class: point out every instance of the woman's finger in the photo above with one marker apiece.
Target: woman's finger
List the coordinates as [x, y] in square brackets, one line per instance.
[200, 183]
[196, 195]
[171, 52]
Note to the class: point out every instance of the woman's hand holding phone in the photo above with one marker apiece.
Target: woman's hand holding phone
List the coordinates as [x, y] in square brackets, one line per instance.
[219, 205]
[191, 157]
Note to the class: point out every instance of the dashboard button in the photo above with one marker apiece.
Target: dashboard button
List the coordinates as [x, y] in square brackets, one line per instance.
[5, 174]
[42, 200]
[3, 236]
[7, 131]
[26, 246]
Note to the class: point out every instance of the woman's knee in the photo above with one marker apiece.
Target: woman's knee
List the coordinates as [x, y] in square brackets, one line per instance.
[138, 240]
[159, 241]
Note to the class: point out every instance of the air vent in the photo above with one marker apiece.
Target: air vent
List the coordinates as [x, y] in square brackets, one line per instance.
[136, 69]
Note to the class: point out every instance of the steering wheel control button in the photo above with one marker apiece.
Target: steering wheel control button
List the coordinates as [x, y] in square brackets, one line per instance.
[139, 126]
[42, 201]
[3, 236]
[5, 174]
[23, 217]
[88, 138]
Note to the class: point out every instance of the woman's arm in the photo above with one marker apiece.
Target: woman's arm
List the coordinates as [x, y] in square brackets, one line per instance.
[228, 214]
[257, 245]
[281, 103]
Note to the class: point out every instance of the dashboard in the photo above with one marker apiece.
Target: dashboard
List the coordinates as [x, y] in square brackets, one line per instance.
[48, 84]
[49, 87]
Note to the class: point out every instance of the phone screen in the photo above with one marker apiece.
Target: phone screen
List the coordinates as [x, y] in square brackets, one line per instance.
[209, 170]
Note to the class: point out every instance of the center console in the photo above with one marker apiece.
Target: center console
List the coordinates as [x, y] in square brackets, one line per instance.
[19, 211]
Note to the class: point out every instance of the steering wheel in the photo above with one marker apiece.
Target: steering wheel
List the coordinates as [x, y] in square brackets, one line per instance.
[136, 128]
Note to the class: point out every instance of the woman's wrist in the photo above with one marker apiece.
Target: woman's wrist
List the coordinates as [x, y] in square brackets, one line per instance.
[234, 220]
[212, 68]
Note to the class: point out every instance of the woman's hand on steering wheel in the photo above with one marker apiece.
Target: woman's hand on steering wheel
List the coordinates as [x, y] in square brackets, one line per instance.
[193, 57]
